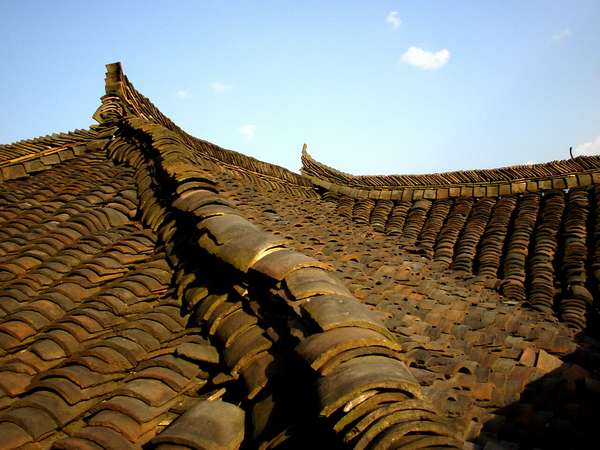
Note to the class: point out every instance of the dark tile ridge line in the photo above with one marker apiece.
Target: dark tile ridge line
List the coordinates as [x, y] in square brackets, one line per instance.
[292, 280]
[43, 144]
[48, 151]
[122, 98]
[576, 172]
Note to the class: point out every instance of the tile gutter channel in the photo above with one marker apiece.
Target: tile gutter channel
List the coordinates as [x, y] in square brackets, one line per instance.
[364, 393]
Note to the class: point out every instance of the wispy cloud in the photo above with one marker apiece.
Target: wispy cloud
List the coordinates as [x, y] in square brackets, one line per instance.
[561, 35]
[182, 94]
[248, 130]
[393, 18]
[424, 59]
[588, 148]
[220, 87]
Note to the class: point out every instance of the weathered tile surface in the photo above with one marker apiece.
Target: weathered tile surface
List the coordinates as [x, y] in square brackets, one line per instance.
[150, 281]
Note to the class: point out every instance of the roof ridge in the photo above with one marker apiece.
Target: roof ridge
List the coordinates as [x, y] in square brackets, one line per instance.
[504, 173]
[38, 144]
[30, 156]
[330, 320]
[123, 99]
[581, 171]
[42, 139]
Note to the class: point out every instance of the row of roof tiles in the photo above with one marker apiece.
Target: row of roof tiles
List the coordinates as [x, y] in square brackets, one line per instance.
[300, 282]
[255, 299]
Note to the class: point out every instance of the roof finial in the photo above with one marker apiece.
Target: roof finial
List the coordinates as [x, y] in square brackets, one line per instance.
[571, 152]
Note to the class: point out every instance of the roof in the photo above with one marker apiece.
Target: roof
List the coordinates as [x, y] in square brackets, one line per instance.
[157, 290]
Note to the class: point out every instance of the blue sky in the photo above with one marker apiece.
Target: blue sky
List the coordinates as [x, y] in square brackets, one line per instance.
[372, 87]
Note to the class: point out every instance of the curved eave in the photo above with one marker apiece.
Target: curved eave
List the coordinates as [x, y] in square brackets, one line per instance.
[582, 171]
[121, 94]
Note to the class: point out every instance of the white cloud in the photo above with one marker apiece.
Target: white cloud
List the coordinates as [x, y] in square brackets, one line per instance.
[393, 18]
[588, 148]
[561, 35]
[248, 130]
[220, 87]
[424, 59]
[182, 94]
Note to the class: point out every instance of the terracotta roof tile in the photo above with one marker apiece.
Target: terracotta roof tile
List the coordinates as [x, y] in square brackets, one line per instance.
[141, 267]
